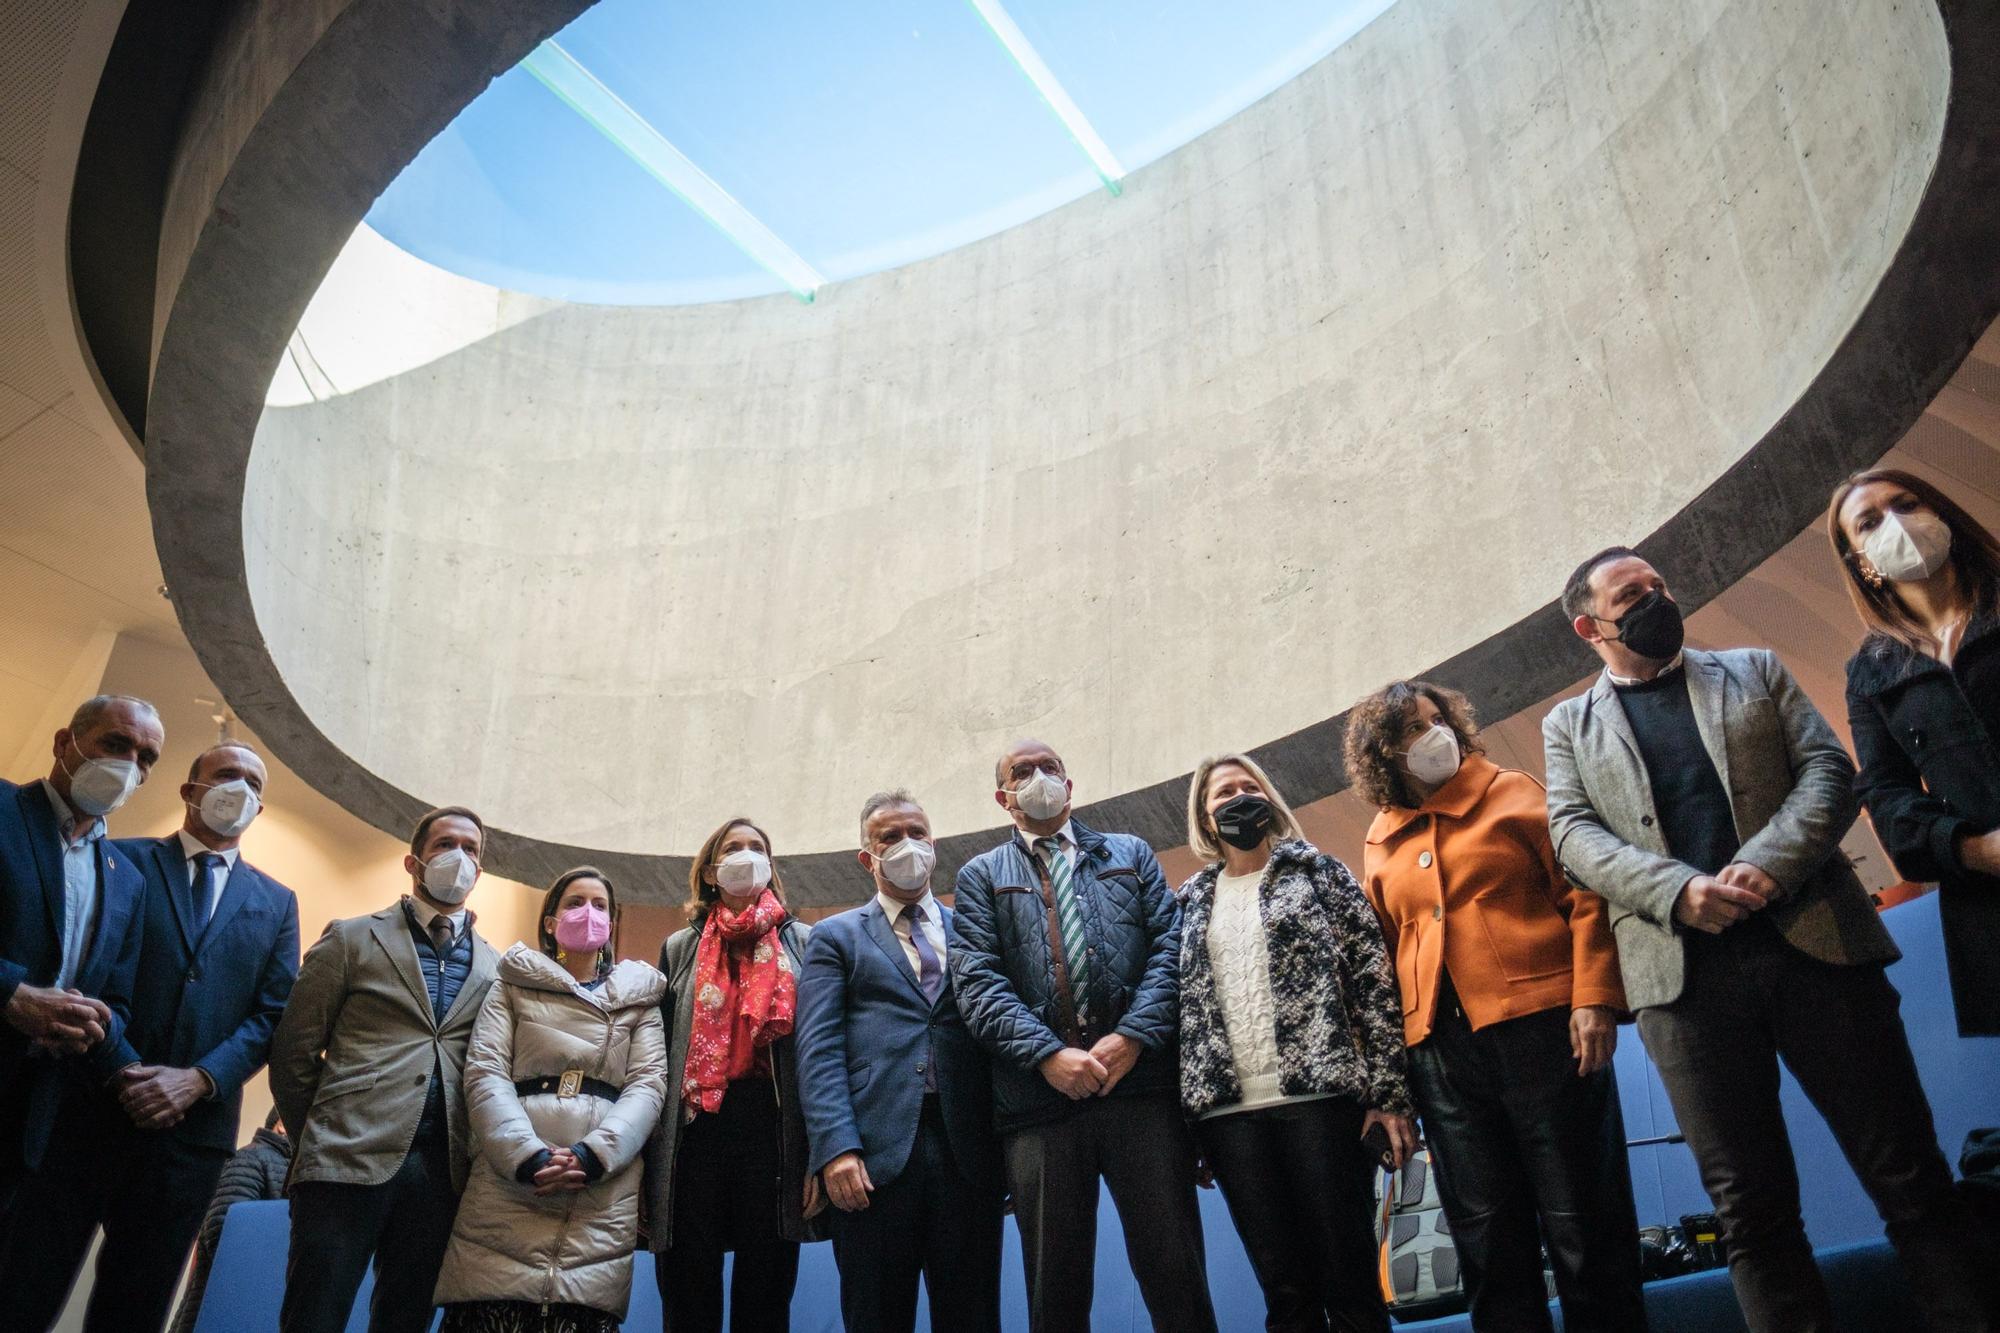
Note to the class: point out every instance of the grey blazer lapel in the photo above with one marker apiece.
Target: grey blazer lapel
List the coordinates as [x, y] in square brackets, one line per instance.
[1625, 766]
[1708, 692]
[392, 932]
[1605, 708]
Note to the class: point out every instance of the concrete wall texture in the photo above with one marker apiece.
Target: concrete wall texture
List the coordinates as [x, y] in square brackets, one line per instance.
[1334, 392]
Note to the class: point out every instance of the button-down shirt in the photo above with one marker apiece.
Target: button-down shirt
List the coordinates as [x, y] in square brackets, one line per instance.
[192, 850]
[427, 914]
[81, 889]
[1673, 665]
[930, 919]
[1066, 835]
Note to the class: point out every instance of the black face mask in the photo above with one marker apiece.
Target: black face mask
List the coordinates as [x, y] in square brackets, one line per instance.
[1243, 822]
[1652, 627]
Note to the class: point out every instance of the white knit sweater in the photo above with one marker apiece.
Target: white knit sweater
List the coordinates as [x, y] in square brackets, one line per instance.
[1241, 959]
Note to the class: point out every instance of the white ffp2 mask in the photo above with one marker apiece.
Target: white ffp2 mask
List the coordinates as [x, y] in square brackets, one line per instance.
[99, 786]
[449, 876]
[908, 864]
[740, 872]
[1042, 796]
[1908, 548]
[228, 807]
[1434, 757]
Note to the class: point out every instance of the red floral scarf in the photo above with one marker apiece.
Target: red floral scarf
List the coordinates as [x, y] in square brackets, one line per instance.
[744, 999]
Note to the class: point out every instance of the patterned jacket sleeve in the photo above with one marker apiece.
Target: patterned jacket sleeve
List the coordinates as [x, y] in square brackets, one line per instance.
[1367, 987]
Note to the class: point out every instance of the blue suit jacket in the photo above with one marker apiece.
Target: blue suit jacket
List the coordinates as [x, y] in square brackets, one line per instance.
[865, 1033]
[31, 913]
[207, 997]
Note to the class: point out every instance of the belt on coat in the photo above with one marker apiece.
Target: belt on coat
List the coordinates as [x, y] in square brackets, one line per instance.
[569, 1083]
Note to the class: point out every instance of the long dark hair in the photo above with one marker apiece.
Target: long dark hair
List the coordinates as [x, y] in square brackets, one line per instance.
[1975, 558]
[606, 956]
[702, 896]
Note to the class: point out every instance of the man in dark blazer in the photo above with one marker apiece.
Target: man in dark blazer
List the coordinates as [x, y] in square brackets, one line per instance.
[898, 1098]
[368, 1071]
[140, 1155]
[70, 921]
[1703, 797]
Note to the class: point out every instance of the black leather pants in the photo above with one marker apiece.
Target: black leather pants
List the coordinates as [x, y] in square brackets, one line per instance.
[1300, 1188]
[1529, 1153]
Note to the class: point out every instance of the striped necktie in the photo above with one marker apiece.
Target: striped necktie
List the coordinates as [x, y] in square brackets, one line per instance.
[1069, 916]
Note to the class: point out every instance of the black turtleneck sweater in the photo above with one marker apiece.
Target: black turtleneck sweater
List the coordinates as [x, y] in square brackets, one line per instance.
[1696, 818]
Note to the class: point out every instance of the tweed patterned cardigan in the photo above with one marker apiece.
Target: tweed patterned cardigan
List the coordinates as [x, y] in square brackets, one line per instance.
[1339, 1014]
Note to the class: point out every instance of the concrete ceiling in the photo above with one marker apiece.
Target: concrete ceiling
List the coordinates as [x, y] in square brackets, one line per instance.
[77, 562]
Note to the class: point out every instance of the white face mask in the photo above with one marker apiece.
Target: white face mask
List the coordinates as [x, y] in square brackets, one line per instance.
[449, 876]
[99, 786]
[908, 864]
[740, 872]
[1434, 758]
[228, 807]
[1908, 548]
[1042, 796]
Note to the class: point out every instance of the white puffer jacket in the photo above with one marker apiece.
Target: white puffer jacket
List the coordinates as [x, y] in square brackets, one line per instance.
[573, 1248]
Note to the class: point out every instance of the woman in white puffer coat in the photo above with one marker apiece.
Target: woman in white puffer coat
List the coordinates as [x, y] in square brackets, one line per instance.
[564, 1082]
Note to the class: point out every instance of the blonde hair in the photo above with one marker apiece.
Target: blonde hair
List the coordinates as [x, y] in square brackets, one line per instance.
[1202, 839]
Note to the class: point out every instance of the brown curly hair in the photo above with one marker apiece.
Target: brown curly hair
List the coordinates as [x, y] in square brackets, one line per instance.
[1375, 734]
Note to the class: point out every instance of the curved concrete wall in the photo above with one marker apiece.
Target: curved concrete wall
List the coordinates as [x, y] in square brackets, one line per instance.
[1334, 393]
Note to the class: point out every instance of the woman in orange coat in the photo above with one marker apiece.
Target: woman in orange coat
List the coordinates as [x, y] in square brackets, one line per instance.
[1511, 997]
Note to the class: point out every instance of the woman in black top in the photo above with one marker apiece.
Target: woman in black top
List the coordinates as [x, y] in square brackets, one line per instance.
[1923, 703]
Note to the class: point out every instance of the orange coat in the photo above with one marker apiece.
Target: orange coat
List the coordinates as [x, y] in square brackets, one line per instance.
[1469, 880]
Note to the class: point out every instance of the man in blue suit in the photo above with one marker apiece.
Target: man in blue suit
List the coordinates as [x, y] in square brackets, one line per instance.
[70, 921]
[139, 1153]
[897, 1098]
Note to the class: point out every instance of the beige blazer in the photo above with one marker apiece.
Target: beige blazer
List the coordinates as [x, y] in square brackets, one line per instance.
[352, 1057]
[1791, 787]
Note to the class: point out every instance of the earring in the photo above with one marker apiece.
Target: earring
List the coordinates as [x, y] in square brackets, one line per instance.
[562, 954]
[1872, 577]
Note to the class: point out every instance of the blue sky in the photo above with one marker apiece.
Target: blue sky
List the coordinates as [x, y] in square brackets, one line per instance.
[865, 133]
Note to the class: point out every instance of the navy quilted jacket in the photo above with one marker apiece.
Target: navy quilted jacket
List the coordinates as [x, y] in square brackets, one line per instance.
[1004, 977]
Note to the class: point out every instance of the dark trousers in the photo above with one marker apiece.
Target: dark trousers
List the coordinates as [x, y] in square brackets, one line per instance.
[146, 1189]
[1751, 1000]
[403, 1225]
[726, 1182]
[1300, 1188]
[1522, 1144]
[929, 1220]
[1141, 1149]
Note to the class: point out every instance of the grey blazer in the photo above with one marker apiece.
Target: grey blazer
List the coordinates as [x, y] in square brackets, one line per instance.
[352, 1057]
[1789, 780]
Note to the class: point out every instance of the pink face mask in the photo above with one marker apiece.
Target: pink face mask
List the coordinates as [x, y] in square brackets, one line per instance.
[583, 928]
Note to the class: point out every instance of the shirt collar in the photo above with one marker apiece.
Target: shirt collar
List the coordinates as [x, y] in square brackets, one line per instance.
[67, 818]
[193, 847]
[1671, 667]
[1028, 840]
[426, 914]
[926, 905]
